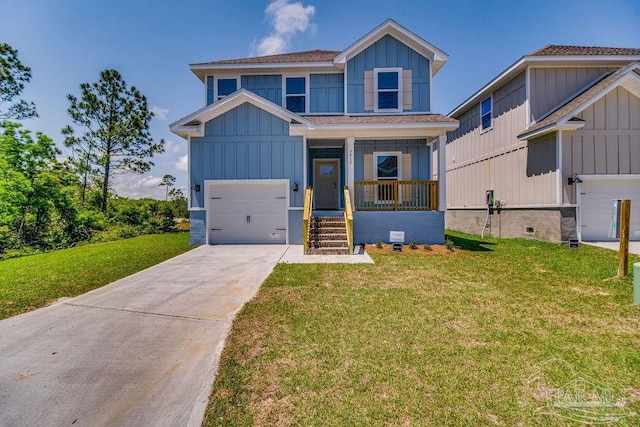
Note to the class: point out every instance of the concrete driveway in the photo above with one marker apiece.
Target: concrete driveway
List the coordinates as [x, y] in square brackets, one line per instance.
[140, 351]
[634, 247]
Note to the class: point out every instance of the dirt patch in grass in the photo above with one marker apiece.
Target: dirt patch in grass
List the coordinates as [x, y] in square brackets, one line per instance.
[433, 250]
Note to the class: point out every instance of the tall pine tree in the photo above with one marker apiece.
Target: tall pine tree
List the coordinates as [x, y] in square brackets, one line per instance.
[115, 122]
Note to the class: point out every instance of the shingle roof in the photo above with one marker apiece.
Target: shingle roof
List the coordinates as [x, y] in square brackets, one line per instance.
[380, 119]
[551, 49]
[306, 56]
[554, 116]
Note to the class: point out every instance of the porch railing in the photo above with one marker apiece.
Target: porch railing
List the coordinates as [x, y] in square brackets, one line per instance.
[306, 218]
[391, 195]
[348, 217]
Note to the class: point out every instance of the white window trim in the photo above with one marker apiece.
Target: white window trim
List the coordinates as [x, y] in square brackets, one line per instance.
[307, 85]
[217, 97]
[375, 90]
[487, 129]
[376, 154]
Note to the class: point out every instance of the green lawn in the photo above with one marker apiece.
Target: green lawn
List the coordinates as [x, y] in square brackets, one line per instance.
[34, 281]
[481, 337]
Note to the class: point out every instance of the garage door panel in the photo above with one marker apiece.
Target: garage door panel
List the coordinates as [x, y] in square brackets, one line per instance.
[596, 206]
[248, 213]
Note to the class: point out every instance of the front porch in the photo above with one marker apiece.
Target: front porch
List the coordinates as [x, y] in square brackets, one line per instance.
[379, 207]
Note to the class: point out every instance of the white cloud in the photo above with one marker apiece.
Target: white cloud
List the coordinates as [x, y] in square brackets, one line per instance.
[182, 163]
[287, 20]
[172, 147]
[160, 113]
[137, 186]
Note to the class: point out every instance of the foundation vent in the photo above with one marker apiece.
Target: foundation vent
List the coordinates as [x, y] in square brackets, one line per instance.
[529, 229]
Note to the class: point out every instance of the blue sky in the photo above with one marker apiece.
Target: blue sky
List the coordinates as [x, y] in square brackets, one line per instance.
[151, 43]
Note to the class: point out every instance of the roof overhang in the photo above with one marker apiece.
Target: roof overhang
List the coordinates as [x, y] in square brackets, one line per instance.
[572, 123]
[202, 70]
[377, 130]
[193, 124]
[539, 61]
[392, 28]
[628, 79]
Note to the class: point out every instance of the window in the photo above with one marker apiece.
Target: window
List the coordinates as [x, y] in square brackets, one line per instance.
[388, 89]
[209, 90]
[485, 113]
[296, 94]
[226, 87]
[387, 167]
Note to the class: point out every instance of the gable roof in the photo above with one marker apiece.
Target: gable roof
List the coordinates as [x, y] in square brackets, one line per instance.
[563, 115]
[331, 59]
[551, 55]
[551, 49]
[306, 56]
[193, 124]
[392, 28]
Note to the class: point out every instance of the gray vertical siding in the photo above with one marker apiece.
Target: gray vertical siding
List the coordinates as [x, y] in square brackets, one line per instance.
[388, 52]
[521, 173]
[326, 93]
[550, 86]
[609, 143]
[420, 159]
[246, 143]
[267, 86]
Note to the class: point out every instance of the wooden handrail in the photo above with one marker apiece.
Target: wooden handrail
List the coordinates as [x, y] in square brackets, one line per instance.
[306, 217]
[393, 195]
[348, 217]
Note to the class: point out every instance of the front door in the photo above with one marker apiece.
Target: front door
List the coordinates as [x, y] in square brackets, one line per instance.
[326, 183]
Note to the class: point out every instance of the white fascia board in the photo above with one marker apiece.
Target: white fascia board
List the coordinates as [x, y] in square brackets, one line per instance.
[514, 69]
[230, 102]
[584, 60]
[390, 27]
[373, 131]
[609, 177]
[537, 62]
[201, 70]
[553, 127]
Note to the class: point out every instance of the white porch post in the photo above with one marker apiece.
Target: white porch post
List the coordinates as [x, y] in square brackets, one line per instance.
[442, 173]
[349, 156]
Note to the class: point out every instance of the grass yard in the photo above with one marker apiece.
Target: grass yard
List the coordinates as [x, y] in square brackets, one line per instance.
[485, 336]
[35, 281]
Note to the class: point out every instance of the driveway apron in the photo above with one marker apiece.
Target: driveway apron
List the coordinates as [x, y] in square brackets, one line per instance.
[140, 351]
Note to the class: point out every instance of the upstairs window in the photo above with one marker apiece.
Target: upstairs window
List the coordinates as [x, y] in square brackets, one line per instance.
[296, 94]
[226, 87]
[388, 89]
[486, 113]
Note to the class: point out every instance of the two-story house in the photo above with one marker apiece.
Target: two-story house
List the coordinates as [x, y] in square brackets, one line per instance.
[556, 136]
[355, 127]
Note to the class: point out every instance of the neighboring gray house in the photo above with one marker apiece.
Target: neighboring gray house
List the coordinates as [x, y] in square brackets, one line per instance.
[274, 125]
[556, 136]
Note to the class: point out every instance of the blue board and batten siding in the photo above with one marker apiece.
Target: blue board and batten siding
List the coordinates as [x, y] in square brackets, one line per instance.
[418, 148]
[326, 92]
[245, 143]
[267, 86]
[388, 52]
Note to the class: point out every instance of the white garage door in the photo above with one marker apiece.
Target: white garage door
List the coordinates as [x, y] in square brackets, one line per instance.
[596, 206]
[247, 212]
